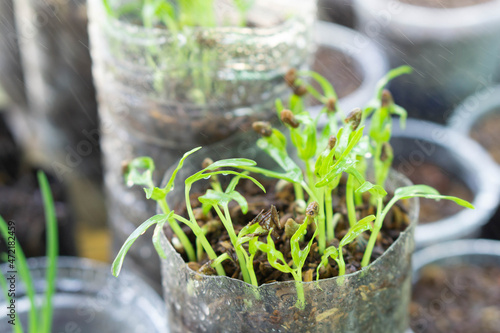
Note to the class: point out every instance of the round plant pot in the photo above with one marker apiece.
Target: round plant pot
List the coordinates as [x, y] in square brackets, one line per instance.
[61, 129]
[161, 94]
[352, 68]
[423, 143]
[11, 72]
[89, 299]
[337, 11]
[200, 303]
[478, 252]
[478, 117]
[453, 50]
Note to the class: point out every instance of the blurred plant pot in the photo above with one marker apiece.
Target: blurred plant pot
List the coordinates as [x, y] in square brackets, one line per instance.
[460, 290]
[350, 61]
[337, 11]
[454, 51]
[89, 299]
[62, 130]
[156, 100]
[200, 303]
[21, 201]
[435, 155]
[11, 72]
[479, 118]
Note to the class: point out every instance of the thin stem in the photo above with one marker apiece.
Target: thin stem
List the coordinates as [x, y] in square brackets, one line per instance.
[301, 299]
[330, 229]
[204, 242]
[176, 228]
[373, 237]
[341, 263]
[349, 197]
[321, 226]
[299, 192]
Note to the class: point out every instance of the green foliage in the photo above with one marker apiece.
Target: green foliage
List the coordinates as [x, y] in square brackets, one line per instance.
[39, 320]
[327, 155]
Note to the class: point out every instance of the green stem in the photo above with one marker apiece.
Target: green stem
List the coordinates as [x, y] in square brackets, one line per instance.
[373, 237]
[204, 242]
[299, 192]
[226, 220]
[330, 228]
[301, 299]
[176, 228]
[349, 197]
[321, 227]
[52, 252]
[341, 263]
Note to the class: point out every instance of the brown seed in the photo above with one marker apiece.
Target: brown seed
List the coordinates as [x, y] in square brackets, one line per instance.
[332, 141]
[207, 162]
[312, 209]
[288, 118]
[300, 91]
[331, 104]
[290, 77]
[387, 99]
[264, 128]
[387, 152]
[354, 118]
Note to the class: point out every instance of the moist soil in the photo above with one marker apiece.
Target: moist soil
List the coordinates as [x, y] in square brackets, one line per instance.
[339, 69]
[487, 133]
[274, 208]
[446, 184]
[458, 299]
[444, 3]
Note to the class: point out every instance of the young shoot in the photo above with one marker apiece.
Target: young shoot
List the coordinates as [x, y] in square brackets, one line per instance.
[39, 318]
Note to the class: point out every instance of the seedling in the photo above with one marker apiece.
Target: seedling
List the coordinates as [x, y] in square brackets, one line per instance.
[39, 319]
[327, 156]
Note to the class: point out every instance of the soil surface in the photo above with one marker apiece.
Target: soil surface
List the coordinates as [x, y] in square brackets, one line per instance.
[458, 299]
[339, 69]
[444, 3]
[261, 208]
[445, 183]
[487, 133]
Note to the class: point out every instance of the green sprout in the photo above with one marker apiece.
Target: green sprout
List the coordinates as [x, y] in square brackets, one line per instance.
[39, 320]
[337, 154]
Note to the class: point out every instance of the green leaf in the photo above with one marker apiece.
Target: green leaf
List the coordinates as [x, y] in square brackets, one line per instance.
[157, 239]
[360, 227]
[275, 257]
[198, 176]
[392, 74]
[155, 193]
[140, 172]
[120, 257]
[325, 85]
[223, 199]
[170, 185]
[329, 252]
[376, 190]
[230, 163]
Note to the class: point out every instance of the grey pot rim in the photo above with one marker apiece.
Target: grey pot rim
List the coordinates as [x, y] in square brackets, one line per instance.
[68, 262]
[451, 249]
[465, 116]
[432, 23]
[476, 160]
[372, 61]
[162, 35]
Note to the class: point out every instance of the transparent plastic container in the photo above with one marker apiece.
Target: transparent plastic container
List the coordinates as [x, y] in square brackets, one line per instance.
[154, 100]
[375, 299]
[53, 40]
[88, 299]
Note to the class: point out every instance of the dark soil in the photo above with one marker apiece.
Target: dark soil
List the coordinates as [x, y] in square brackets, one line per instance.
[487, 133]
[339, 69]
[444, 3]
[458, 299]
[260, 209]
[445, 183]
[21, 202]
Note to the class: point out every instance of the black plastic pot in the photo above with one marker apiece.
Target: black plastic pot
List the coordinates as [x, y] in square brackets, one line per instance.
[88, 299]
[460, 158]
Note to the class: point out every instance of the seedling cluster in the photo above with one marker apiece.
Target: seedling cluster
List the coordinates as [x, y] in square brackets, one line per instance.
[339, 152]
